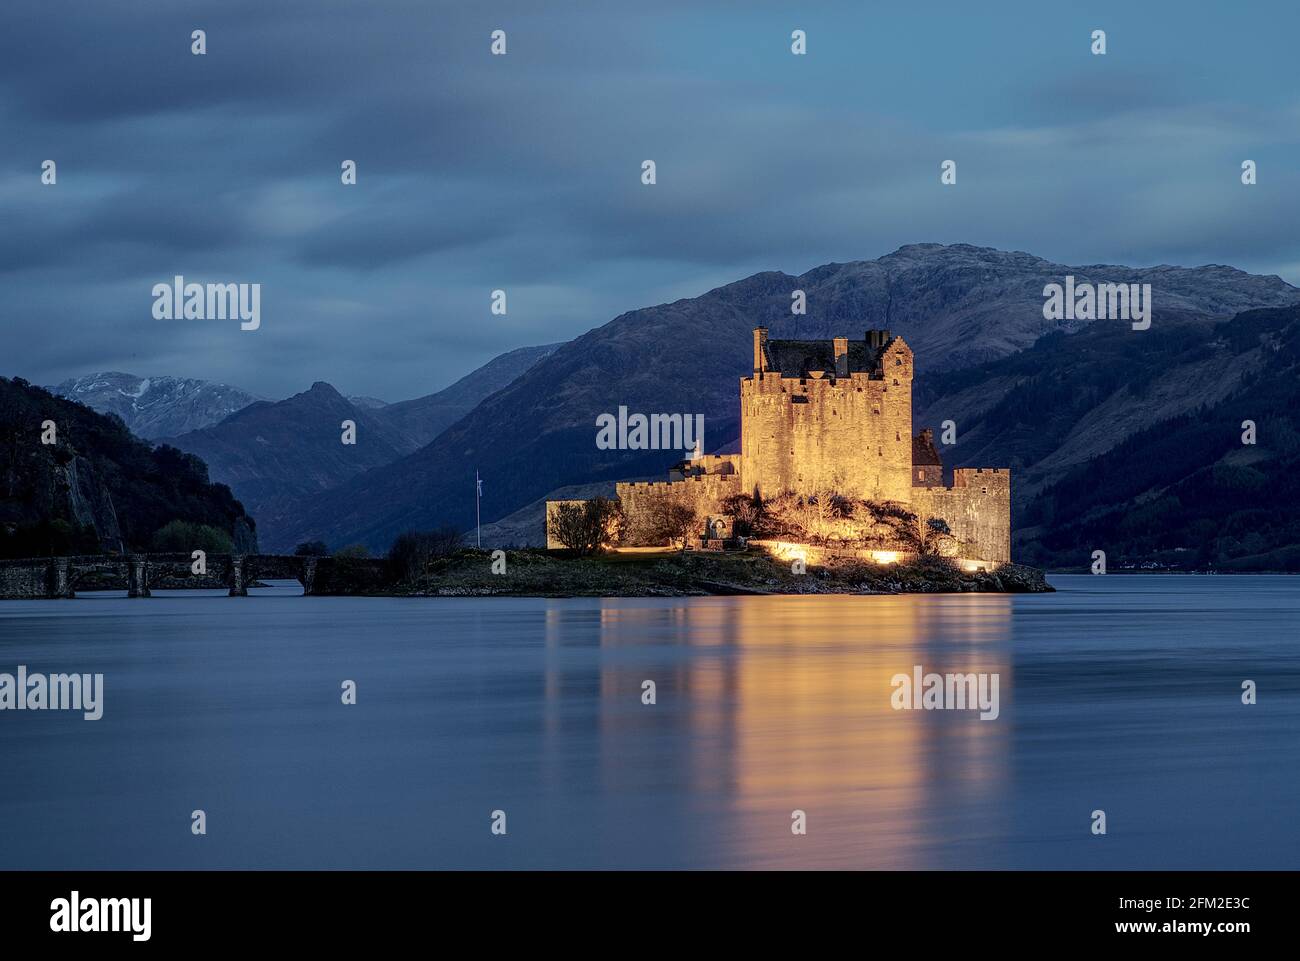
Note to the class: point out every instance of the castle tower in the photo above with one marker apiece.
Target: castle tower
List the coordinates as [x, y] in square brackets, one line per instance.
[828, 415]
[927, 465]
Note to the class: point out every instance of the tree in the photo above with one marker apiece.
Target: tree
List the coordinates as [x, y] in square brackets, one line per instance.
[585, 527]
[411, 553]
[184, 537]
[748, 512]
[931, 535]
[673, 521]
[312, 549]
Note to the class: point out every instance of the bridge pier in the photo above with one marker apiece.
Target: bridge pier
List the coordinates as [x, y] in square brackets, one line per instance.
[238, 586]
[308, 576]
[59, 578]
[137, 577]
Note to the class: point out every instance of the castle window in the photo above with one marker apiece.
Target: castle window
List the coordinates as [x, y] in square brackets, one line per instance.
[895, 381]
[984, 490]
[920, 475]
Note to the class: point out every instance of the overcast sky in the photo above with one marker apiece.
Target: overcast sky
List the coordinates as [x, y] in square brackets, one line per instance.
[522, 171]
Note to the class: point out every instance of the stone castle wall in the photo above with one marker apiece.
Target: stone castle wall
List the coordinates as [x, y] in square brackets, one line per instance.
[849, 434]
[704, 492]
[977, 509]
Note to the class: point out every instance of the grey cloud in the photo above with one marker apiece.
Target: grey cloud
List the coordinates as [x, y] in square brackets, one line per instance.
[523, 172]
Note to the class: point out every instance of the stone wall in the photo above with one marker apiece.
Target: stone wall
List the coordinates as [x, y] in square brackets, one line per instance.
[849, 434]
[927, 475]
[704, 492]
[977, 509]
[20, 580]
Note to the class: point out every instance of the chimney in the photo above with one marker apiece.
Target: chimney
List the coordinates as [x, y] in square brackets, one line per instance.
[841, 357]
[760, 349]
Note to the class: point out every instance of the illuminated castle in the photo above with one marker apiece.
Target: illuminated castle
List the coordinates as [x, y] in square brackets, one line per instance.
[836, 416]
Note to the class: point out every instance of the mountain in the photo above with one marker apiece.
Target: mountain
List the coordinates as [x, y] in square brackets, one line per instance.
[153, 407]
[96, 487]
[956, 306]
[1132, 442]
[271, 453]
[961, 305]
[419, 421]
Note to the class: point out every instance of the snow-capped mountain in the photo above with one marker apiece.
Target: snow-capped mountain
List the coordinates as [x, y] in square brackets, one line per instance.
[155, 407]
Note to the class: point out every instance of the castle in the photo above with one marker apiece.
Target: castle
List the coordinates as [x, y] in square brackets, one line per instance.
[834, 416]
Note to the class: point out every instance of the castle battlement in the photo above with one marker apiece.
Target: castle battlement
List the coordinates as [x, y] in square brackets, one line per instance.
[995, 478]
[688, 479]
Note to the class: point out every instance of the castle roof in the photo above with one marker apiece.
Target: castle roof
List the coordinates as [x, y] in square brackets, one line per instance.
[924, 453]
[795, 358]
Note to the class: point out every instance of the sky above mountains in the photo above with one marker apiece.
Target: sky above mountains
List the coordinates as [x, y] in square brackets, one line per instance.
[522, 171]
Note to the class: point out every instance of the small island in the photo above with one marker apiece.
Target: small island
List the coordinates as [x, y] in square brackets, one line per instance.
[533, 572]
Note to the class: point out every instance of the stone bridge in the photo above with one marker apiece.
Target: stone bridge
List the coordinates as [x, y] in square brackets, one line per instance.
[54, 577]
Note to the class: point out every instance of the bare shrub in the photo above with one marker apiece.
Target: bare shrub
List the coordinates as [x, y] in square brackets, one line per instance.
[411, 553]
[588, 526]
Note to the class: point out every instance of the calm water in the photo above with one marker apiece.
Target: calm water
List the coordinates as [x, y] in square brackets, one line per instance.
[1118, 692]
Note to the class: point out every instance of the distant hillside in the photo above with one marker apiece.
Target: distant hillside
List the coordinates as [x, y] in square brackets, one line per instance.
[956, 306]
[97, 488]
[526, 527]
[1187, 492]
[416, 422]
[153, 407]
[163, 407]
[272, 453]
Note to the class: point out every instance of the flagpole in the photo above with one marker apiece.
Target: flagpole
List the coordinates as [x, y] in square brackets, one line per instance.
[478, 525]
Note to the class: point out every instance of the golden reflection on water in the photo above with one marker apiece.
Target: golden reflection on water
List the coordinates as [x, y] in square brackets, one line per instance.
[783, 703]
